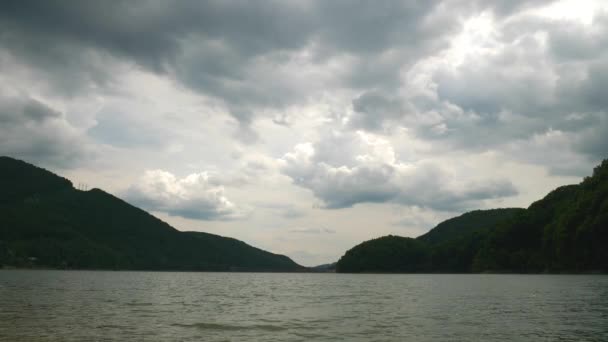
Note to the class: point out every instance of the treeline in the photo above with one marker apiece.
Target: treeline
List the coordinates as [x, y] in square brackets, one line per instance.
[45, 222]
[567, 231]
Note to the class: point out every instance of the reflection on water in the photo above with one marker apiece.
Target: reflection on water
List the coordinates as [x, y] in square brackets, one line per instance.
[166, 306]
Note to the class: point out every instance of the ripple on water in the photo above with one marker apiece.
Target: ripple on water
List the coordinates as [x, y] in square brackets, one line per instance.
[157, 306]
[230, 327]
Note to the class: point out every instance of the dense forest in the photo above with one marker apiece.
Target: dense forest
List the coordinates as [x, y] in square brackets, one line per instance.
[45, 222]
[567, 231]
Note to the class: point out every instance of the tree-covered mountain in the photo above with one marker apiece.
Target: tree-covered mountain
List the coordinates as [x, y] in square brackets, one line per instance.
[386, 254]
[567, 231]
[449, 247]
[45, 222]
[466, 224]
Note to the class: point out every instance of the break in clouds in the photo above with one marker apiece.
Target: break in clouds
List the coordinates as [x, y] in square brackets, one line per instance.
[261, 120]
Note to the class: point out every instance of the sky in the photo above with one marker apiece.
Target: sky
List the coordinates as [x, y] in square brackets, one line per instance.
[307, 127]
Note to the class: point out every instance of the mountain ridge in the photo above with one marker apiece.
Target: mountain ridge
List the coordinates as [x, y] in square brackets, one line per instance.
[46, 222]
[565, 231]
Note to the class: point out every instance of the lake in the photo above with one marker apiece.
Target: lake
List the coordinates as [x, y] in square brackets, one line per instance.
[171, 306]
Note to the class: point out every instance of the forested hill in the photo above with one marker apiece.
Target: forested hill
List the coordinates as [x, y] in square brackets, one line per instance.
[45, 222]
[449, 247]
[567, 231]
[468, 223]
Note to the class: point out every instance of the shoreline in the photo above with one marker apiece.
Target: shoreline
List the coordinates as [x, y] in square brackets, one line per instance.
[298, 272]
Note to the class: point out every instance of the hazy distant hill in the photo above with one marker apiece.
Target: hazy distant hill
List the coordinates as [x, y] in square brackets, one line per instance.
[331, 267]
[45, 222]
[567, 231]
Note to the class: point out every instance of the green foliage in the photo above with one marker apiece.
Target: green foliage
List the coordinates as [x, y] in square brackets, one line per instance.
[386, 254]
[45, 222]
[15, 188]
[567, 231]
[449, 247]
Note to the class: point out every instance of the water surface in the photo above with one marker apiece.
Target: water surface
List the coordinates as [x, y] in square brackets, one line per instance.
[168, 306]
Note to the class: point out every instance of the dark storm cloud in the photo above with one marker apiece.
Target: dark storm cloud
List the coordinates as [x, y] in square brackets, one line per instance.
[248, 55]
[230, 49]
[578, 41]
[217, 47]
[372, 110]
[206, 44]
[368, 27]
[501, 9]
[591, 92]
[31, 130]
[595, 140]
[505, 8]
[243, 67]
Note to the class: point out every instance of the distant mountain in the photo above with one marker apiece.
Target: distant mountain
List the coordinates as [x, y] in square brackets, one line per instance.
[45, 222]
[324, 268]
[567, 231]
[449, 247]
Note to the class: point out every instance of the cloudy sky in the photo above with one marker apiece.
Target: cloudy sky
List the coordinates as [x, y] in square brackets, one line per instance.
[306, 127]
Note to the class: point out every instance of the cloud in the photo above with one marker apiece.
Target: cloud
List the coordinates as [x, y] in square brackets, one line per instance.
[32, 130]
[117, 128]
[502, 8]
[373, 110]
[368, 171]
[254, 59]
[558, 151]
[287, 211]
[196, 196]
[594, 141]
[313, 231]
[573, 41]
[249, 56]
[516, 81]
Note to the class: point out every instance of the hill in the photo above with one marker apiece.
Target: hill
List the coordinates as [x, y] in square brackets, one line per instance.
[466, 224]
[386, 254]
[449, 247]
[327, 268]
[45, 222]
[567, 231]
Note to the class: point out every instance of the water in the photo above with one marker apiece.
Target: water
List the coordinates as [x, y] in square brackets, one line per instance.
[166, 306]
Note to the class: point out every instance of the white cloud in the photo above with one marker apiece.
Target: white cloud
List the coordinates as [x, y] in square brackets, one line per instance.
[196, 196]
[370, 172]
